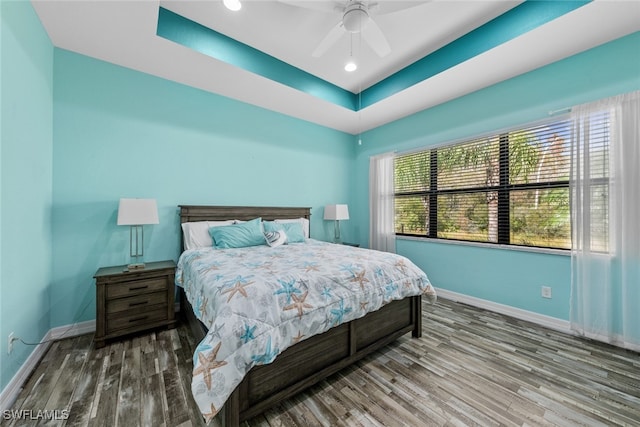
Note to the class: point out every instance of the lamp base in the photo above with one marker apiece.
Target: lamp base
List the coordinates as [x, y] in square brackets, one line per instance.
[136, 248]
[336, 232]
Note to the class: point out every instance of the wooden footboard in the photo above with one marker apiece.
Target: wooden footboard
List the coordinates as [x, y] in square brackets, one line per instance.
[315, 358]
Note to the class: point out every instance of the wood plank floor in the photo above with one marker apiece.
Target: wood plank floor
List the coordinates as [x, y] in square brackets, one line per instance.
[472, 367]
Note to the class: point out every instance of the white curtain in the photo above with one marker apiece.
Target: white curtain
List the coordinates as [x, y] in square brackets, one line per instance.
[605, 262]
[381, 203]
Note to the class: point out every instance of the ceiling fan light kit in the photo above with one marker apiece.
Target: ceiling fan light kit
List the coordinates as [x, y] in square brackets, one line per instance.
[355, 18]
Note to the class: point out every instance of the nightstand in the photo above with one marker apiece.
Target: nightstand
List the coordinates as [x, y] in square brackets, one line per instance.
[134, 301]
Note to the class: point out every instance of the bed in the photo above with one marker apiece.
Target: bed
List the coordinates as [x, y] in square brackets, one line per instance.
[289, 356]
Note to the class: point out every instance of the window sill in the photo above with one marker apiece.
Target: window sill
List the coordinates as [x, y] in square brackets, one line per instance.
[549, 251]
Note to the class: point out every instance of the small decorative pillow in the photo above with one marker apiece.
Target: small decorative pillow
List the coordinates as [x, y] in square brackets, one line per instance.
[275, 238]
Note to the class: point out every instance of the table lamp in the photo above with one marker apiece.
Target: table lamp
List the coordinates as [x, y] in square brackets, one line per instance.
[336, 213]
[136, 213]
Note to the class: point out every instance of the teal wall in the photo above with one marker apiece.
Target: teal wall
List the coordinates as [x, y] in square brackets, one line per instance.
[120, 133]
[26, 185]
[503, 276]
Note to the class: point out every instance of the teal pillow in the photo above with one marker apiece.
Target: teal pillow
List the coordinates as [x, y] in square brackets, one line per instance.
[293, 230]
[270, 226]
[238, 235]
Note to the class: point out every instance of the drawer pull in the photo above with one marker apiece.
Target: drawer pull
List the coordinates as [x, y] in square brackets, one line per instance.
[137, 288]
[133, 304]
[137, 319]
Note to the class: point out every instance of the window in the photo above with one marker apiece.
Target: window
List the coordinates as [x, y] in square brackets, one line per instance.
[509, 188]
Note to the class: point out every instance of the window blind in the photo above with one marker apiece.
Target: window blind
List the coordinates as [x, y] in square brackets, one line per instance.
[509, 188]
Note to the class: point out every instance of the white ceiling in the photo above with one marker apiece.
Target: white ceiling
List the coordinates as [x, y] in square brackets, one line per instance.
[124, 33]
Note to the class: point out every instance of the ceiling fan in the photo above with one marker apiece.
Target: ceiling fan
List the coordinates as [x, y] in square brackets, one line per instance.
[356, 17]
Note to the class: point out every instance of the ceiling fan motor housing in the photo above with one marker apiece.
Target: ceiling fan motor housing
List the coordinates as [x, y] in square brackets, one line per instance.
[355, 18]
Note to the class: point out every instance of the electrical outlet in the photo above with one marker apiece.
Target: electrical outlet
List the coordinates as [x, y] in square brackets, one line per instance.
[10, 341]
[546, 292]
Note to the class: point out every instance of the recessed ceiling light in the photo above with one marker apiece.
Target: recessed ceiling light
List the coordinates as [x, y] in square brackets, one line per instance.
[350, 66]
[234, 5]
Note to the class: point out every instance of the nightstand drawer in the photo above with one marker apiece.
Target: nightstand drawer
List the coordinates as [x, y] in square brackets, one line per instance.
[138, 302]
[135, 318]
[136, 288]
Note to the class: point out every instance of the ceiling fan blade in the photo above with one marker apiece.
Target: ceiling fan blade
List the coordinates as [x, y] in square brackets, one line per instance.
[329, 40]
[374, 37]
[324, 6]
[386, 7]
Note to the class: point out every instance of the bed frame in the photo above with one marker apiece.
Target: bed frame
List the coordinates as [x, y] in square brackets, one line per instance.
[314, 359]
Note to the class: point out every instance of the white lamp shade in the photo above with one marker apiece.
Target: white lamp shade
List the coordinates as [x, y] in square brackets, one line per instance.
[336, 212]
[137, 212]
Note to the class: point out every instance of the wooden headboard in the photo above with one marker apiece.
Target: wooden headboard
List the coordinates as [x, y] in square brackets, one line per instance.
[190, 213]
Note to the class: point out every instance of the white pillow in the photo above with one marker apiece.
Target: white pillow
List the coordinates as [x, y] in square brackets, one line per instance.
[303, 221]
[196, 234]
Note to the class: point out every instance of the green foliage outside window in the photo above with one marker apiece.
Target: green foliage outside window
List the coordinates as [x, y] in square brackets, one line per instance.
[512, 188]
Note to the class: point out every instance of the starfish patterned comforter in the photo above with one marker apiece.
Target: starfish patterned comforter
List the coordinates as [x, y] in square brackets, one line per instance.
[257, 301]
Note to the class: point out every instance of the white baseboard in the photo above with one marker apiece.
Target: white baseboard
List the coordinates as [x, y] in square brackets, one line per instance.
[72, 330]
[539, 319]
[12, 390]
